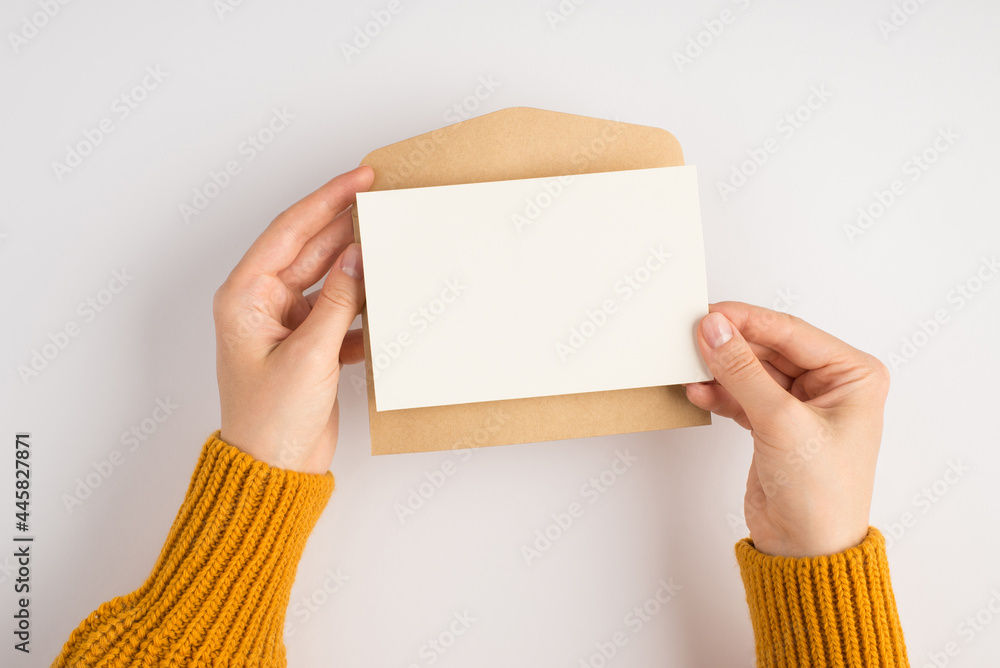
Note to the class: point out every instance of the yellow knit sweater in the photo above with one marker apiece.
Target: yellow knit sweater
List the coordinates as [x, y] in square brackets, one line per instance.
[218, 593]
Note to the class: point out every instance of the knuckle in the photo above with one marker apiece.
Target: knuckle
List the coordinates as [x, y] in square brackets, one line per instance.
[739, 364]
[878, 373]
[339, 299]
[777, 321]
[793, 321]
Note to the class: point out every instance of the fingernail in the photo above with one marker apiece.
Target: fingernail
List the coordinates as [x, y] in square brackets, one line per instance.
[352, 264]
[716, 329]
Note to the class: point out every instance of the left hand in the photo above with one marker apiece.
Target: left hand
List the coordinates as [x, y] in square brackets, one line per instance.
[279, 351]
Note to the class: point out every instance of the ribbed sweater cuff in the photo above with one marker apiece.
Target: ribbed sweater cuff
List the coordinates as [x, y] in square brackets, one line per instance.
[218, 593]
[835, 610]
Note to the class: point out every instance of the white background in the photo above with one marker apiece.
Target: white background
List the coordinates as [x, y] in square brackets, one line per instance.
[778, 240]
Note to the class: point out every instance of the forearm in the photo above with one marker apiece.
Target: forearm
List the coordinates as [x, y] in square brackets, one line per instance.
[220, 587]
[837, 610]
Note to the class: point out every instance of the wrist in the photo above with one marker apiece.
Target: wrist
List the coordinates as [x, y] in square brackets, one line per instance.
[803, 545]
[275, 451]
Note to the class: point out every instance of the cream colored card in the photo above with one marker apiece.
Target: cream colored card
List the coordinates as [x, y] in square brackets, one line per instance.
[533, 287]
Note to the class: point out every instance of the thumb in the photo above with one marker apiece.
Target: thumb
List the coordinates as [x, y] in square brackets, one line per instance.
[736, 368]
[337, 304]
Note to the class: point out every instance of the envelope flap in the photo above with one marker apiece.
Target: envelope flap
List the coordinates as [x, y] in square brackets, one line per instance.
[520, 143]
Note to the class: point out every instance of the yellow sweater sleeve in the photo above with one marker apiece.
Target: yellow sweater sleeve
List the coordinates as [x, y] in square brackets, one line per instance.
[218, 593]
[833, 611]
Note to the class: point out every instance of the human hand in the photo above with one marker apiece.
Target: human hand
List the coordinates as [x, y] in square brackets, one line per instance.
[279, 352]
[814, 406]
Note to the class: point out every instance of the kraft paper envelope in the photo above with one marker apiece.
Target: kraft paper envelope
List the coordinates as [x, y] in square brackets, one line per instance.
[520, 143]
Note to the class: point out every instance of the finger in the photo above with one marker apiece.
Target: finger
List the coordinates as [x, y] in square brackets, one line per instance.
[279, 245]
[336, 305]
[319, 253]
[800, 343]
[736, 368]
[716, 399]
[352, 350]
[312, 297]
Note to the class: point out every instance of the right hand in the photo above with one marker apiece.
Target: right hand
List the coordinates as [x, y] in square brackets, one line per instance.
[280, 351]
[814, 407]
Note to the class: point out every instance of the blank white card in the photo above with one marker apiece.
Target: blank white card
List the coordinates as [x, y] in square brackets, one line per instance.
[533, 287]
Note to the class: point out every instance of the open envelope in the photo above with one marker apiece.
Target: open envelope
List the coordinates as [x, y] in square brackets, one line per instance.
[520, 143]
